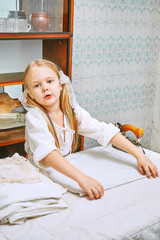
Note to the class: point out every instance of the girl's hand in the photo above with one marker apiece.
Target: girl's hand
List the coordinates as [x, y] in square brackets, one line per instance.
[146, 166]
[92, 187]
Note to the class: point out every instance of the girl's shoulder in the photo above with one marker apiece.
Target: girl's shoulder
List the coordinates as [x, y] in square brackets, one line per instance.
[34, 112]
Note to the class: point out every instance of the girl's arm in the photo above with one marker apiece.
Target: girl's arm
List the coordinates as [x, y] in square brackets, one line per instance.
[91, 186]
[145, 165]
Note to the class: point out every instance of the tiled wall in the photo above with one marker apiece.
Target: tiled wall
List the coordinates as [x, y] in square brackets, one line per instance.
[115, 55]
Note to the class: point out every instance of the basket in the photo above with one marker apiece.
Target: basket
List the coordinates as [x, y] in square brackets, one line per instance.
[11, 120]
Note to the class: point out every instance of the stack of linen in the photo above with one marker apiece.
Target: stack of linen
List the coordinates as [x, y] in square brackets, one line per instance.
[25, 192]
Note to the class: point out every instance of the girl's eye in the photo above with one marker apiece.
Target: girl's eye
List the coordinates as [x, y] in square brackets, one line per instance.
[50, 81]
[36, 86]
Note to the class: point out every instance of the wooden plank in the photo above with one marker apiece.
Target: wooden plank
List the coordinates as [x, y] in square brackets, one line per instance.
[56, 51]
[65, 15]
[71, 38]
[9, 83]
[71, 16]
[34, 35]
[12, 136]
[7, 79]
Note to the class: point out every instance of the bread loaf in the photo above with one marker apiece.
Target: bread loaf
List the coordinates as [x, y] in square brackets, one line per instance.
[7, 104]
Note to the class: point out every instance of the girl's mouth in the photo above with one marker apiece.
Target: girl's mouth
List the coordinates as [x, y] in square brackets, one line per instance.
[48, 96]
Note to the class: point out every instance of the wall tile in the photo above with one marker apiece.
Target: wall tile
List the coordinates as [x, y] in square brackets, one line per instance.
[97, 90]
[119, 62]
[90, 10]
[89, 43]
[96, 111]
[101, 11]
[137, 61]
[122, 11]
[107, 89]
[87, 91]
[108, 63]
[110, 37]
[78, 10]
[115, 111]
[157, 12]
[88, 64]
[150, 10]
[125, 112]
[106, 112]
[98, 64]
[132, 11]
[126, 83]
[77, 65]
[156, 37]
[133, 107]
[120, 36]
[146, 60]
[112, 11]
[139, 37]
[78, 36]
[90, 143]
[117, 88]
[128, 62]
[130, 37]
[99, 36]
[141, 11]
[77, 86]
[147, 42]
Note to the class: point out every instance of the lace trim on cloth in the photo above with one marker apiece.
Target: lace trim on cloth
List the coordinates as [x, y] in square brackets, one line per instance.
[17, 169]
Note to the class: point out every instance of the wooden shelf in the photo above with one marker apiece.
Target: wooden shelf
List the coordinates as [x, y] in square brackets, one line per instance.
[31, 35]
[7, 79]
[56, 47]
[12, 136]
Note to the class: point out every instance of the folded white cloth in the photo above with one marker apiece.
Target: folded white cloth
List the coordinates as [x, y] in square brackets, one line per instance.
[109, 166]
[22, 198]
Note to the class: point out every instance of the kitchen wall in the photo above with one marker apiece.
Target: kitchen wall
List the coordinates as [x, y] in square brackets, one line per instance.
[115, 60]
[15, 55]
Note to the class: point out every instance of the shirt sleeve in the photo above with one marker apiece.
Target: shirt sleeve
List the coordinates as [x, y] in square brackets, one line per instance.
[92, 128]
[38, 137]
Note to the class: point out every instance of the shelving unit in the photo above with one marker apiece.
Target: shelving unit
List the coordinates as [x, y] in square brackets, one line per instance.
[56, 46]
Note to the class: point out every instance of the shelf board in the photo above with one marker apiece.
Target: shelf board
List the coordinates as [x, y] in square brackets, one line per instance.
[7, 79]
[35, 35]
[12, 136]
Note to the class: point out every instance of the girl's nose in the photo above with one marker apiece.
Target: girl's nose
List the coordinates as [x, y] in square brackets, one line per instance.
[44, 87]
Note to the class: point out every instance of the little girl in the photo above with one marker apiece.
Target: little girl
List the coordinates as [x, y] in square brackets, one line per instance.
[54, 120]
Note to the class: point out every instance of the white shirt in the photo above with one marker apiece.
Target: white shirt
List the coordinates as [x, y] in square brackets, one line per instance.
[40, 142]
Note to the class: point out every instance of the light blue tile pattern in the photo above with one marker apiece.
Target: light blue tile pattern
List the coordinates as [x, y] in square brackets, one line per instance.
[116, 49]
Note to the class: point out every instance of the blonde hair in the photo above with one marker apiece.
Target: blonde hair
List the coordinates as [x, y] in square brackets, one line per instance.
[64, 101]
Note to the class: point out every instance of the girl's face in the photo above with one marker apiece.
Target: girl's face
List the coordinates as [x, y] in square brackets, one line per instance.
[45, 87]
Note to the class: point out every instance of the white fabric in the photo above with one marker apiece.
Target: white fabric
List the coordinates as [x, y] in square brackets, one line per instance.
[126, 212]
[65, 79]
[23, 100]
[17, 169]
[20, 201]
[103, 164]
[40, 142]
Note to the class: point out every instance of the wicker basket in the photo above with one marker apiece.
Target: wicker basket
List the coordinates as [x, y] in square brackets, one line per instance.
[11, 120]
